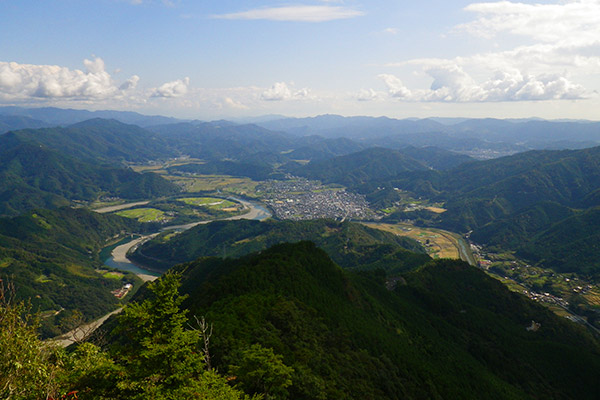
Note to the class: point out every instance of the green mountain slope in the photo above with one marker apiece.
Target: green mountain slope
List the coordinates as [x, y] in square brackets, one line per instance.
[101, 139]
[34, 176]
[450, 332]
[50, 257]
[350, 245]
[356, 168]
[222, 140]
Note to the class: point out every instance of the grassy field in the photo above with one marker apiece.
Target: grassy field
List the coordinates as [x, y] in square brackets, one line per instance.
[438, 243]
[593, 297]
[214, 183]
[213, 203]
[143, 214]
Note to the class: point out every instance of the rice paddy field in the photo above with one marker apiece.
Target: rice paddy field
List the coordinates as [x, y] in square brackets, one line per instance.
[438, 243]
[143, 214]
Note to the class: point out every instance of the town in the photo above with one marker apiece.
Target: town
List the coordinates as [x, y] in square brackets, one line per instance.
[303, 199]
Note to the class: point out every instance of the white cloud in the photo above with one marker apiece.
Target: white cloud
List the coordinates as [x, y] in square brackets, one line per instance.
[231, 103]
[130, 84]
[176, 88]
[452, 84]
[561, 46]
[367, 95]
[300, 13]
[572, 21]
[22, 81]
[280, 91]
[395, 86]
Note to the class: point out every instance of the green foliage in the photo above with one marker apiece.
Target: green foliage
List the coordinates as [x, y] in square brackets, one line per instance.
[260, 370]
[27, 369]
[252, 171]
[160, 360]
[350, 245]
[357, 168]
[50, 256]
[450, 332]
[33, 176]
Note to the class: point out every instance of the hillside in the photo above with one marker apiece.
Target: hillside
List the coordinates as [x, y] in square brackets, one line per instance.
[100, 140]
[350, 245]
[222, 140]
[33, 176]
[449, 332]
[356, 168]
[50, 257]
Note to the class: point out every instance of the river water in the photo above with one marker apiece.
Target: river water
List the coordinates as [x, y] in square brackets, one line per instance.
[257, 212]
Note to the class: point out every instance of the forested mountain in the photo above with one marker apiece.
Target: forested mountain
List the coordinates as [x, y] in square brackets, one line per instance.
[50, 258]
[374, 164]
[511, 202]
[100, 140]
[445, 331]
[349, 244]
[220, 140]
[32, 176]
[52, 116]
[334, 126]
[463, 134]
[257, 170]
[16, 122]
[324, 149]
[377, 164]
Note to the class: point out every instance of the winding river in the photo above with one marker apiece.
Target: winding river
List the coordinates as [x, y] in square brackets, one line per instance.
[119, 260]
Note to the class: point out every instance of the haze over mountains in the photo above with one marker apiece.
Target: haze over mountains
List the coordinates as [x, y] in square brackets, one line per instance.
[334, 308]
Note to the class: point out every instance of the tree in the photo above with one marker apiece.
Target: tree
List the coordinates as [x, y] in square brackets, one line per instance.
[163, 360]
[262, 371]
[27, 366]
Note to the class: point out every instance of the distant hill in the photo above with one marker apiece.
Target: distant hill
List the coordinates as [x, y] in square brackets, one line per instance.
[101, 140]
[256, 171]
[356, 168]
[16, 122]
[334, 126]
[52, 116]
[486, 138]
[222, 140]
[350, 245]
[325, 149]
[50, 257]
[33, 176]
[525, 202]
[445, 330]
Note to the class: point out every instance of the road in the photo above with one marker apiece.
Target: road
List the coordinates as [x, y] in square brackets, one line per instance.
[105, 210]
[81, 332]
[119, 255]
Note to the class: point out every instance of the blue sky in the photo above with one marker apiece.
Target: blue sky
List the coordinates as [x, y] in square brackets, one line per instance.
[211, 60]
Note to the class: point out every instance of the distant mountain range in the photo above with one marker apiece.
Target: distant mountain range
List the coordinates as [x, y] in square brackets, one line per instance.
[482, 138]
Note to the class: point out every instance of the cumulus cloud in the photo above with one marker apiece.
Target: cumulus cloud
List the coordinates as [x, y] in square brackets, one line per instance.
[301, 13]
[280, 91]
[21, 81]
[395, 86]
[572, 21]
[452, 84]
[130, 84]
[176, 88]
[367, 95]
[231, 103]
[562, 44]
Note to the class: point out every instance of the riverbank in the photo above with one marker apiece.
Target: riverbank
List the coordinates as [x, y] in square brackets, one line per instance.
[119, 260]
